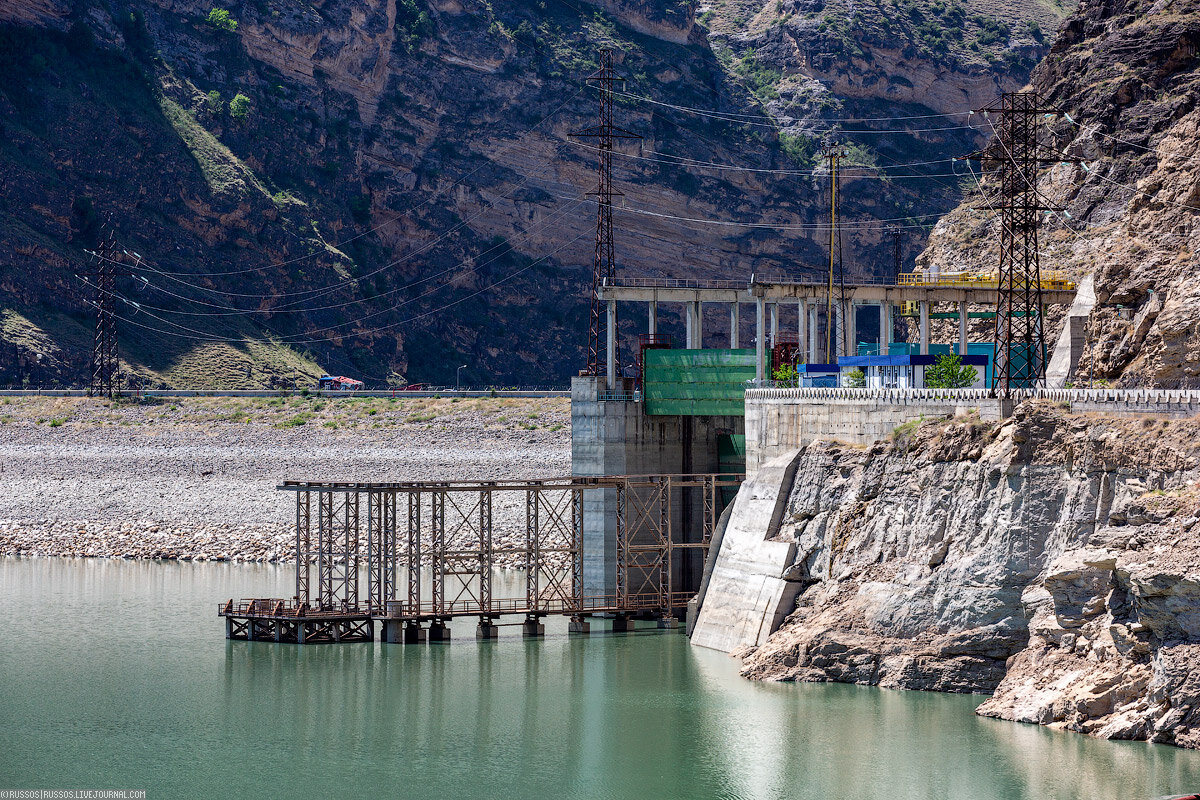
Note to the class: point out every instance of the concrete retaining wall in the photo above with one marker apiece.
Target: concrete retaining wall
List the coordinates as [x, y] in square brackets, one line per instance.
[780, 420]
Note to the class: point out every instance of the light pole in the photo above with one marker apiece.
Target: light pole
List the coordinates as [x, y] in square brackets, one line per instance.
[458, 377]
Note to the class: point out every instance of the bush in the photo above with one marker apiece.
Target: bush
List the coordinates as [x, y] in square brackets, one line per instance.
[855, 379]
[219, 18]
[213, 102]
[239, 107]
[949, 373]
[785, 373]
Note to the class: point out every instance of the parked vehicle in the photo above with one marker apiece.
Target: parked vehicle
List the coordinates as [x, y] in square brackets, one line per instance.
[339, 383]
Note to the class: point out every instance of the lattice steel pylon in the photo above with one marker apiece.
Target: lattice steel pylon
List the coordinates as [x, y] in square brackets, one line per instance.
[604, 264]
[108, 265]
[1019, 361]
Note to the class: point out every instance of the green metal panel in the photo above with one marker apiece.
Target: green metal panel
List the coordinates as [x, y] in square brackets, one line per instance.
[697, 382]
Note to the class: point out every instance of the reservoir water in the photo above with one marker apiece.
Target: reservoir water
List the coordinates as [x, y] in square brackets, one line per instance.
[116, 675]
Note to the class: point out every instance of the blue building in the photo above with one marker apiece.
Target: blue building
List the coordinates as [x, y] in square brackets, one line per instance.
[907, 371]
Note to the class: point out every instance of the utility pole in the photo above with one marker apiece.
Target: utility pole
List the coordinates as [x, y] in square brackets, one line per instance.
[1020, 349]
[833, 154]
[108, 265]
[604, 265]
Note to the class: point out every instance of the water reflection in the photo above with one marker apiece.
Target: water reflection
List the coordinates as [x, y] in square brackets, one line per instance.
[112, 682]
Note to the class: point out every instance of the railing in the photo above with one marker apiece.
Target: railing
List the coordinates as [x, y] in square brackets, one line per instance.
[1050, 280]
[1164, 397]
[619, 397]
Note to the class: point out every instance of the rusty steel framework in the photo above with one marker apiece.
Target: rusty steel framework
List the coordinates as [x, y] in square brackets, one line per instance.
[604, 264]
[431, 551]
[1020, 339]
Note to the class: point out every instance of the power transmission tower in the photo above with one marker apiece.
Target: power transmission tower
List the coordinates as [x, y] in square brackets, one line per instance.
[834, 155]
[1020, 349]
[108, 265]
[604, 265]
[897, 235]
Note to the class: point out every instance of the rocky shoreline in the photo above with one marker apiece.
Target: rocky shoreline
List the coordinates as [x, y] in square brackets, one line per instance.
[183, 482]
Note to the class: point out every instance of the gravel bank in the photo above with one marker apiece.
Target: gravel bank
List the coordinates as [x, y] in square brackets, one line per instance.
[179, 482]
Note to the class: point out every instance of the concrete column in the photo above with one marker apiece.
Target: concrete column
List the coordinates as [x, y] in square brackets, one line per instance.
[653, 317]
[850, 331]
[611, 371]
[694, 332]
[924, 327]
[814, 343]
[802, 328]
[760, 345]
[733, 326]
[438, 632]
[885, 327]
[623, 623]
[962, 327]
[774, 324]
[579, 624]
[487, 630]
[532, 626]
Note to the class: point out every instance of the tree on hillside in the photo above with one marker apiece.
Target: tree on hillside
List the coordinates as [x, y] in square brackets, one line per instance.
[219, 18]
[950, 373]
[239, 107]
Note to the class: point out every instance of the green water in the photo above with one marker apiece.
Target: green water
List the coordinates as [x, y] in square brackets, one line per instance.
[115, 675]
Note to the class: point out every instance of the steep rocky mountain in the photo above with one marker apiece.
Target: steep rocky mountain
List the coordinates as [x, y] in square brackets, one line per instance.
[388, 188]
[1125, 75]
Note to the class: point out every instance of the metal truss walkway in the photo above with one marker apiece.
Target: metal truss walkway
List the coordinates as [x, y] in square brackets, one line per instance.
[429, 553]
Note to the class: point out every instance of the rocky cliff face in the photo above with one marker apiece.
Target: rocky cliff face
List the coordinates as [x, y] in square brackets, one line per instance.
[1051, 559]
[1125, 75]
[397, 191]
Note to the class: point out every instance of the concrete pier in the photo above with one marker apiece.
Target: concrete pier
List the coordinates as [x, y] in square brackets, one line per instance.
[438, 632]
[532, 627]
[486, 629]
[579, 624]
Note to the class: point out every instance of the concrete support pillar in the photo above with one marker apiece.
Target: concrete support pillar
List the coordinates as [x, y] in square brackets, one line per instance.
[438, 632]
[623, 623]
[814, 338]
[487, 630]
[301, 632]
[694, 333]
[886, 327]
[924, 327]
[962, 327]
[850, 330]
[760, 344]
[611, 352]
[653, 317]
[532, 626]
[774, 324]
[579, 624]
[802, 329]
[668, 622]
[733, 326]
[413, 633]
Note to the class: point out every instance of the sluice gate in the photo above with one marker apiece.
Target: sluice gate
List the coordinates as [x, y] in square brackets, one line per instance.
[414, 556]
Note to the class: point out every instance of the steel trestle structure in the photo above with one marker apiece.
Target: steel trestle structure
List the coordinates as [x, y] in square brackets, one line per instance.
[430, 552]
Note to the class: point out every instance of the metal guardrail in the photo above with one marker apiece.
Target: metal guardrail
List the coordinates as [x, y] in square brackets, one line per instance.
[1051, 280]
[1163, 397]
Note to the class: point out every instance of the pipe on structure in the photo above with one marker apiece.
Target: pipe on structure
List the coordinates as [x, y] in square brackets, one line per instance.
[759, 339]
[774, 324]
[653, 317]
[733, 326]
[612, 345]
[924, 327]
[814, 340]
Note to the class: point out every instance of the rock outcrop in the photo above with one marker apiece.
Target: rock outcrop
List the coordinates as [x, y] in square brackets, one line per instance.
[1125, 75]
[1053, 559]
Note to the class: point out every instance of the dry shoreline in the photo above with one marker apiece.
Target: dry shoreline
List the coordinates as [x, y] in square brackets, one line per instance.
[195, 479]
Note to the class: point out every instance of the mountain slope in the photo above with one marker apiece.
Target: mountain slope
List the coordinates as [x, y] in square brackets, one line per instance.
[388, 187]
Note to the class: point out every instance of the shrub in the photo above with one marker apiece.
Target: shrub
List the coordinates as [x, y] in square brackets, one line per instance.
[785, 373]
[213, 102]
[219, 18]
[949, 373]
[239, 107]
[855, 379]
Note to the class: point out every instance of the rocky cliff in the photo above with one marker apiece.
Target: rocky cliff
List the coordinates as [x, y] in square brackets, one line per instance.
[389, 187]
[1125, 75]
[1051, 559]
